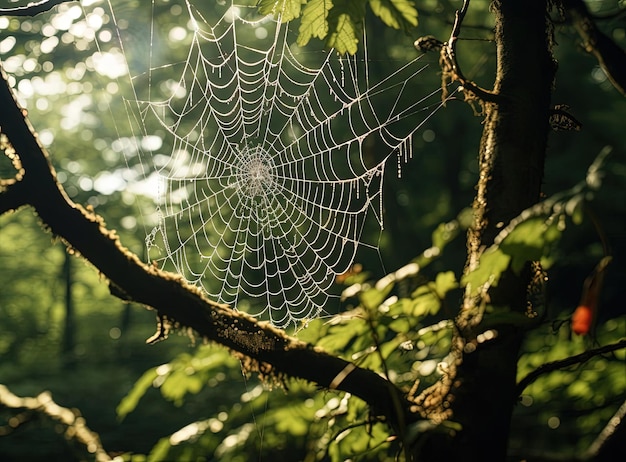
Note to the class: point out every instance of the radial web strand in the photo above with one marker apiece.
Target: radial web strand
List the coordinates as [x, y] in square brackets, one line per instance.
[271, 156]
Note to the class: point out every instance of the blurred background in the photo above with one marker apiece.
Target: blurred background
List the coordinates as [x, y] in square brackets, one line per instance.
[60, 329]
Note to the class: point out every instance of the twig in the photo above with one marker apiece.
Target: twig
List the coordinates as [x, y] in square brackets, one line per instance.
[608, 433]
[567, 362]
[611, 58]
[44, 404]
[450, 65]
[33, 8]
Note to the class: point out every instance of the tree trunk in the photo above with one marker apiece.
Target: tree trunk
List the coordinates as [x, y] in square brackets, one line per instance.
[511, 164]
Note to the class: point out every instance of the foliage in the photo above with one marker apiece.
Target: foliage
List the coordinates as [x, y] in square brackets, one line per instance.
[407, 339]
[340, 22]
[534, 234]
[397, 323]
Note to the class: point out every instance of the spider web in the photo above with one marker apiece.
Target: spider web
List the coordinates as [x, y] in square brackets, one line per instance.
[271, 156]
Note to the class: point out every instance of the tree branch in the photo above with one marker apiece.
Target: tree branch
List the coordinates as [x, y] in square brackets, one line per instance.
[44, 404]
[611, 58]
[610, 441]
[567, 362]
[450, 65]
[268, 349]
[33, 8]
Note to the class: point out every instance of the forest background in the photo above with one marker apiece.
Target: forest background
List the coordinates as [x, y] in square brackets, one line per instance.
[62, 331]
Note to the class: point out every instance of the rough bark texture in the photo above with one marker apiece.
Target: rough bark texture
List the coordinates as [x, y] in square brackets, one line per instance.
[512, 155]
[511, 161]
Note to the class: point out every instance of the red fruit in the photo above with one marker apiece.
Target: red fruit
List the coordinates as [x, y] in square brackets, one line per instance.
[582, 319]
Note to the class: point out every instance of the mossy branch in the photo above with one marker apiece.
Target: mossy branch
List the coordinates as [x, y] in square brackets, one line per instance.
[264, 347]
[32, 8]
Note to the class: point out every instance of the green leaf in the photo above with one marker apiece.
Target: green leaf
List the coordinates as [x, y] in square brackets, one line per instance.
[399, 14]
[161, 450]
[529, 241]
[426, 304]
[399, 317]
[575, 208]
[179, 383]
[387, 348]
[292, 420]
[345, 21]
[445, 233]
[313, 331]
[445, 282]
[401, 325]
[285, 10]
[493, 262]
[580, 389]
[372, 298]
[314, 22]
[400, 308]
[130, 401]
[356, 407]
[339, 337]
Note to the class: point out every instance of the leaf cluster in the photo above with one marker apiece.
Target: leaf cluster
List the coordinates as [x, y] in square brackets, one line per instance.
[340, 22]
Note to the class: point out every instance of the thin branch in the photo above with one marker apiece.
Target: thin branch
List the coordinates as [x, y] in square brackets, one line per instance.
[76, 427]
[262, 346]
[608, 443]
[426, 13]
[567, 362]
[450, 65]
[608, 435]
[33, 8]
[611, 58]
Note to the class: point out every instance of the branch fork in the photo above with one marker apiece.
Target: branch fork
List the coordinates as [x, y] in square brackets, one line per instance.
[451, 71]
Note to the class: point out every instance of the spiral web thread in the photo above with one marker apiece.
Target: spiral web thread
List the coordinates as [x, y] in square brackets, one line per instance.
[275, 159]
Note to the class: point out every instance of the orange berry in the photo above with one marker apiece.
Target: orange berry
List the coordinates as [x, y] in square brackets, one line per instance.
[581, 320]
